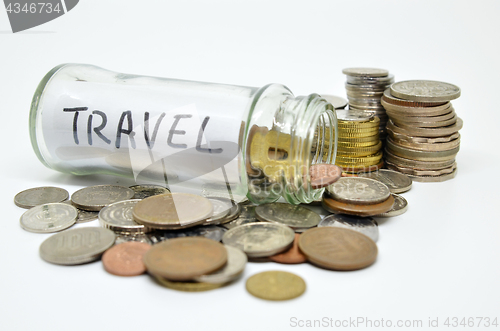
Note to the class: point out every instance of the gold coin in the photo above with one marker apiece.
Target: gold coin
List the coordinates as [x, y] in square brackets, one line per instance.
[348, 145]
[275, 285]
[187, 286]
[355, 139]
[371, 159]
[359, 151]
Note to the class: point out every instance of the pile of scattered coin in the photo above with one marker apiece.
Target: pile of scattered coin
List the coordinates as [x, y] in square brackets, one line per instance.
[423, 129]
[145, 229]
[364, 87]
[358, 147]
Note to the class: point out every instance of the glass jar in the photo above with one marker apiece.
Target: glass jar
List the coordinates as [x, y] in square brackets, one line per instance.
[191, 136]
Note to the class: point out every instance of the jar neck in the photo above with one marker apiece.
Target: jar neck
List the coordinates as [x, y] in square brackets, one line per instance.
[303, 133]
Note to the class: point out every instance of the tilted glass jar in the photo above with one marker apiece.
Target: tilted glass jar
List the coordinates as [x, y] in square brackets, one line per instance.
[254, 142]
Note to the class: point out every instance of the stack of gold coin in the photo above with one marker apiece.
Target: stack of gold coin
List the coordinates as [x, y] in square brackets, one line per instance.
[423, 138]
[358, 146]
[365, 87]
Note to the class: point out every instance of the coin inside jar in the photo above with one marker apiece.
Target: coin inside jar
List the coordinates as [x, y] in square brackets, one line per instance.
[323, 175]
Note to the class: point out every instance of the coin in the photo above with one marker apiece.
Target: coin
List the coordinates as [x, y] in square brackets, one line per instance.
[143, 191]
[118, 217]
[335, 206]
[359, 151]
[337, 102]
[324, 174]
[236, 261]
[391, 99]
[439, 110]
[275, 285]
[353, 115]
[94, 198]
[49, 217]
[358, 190]
[425, 90]
[338, 248]
[125, 259]
[370, 80]
[427, 132]
[419, 155]
[417, 172]
[365, 225]
[297, 217]
[400, 206]
[365, 72]
[291, 256]
[395, 181]
[221, 209]
[40, 195]
[83, 216]
[418, 165]
[186, 286]
[429, 179]
[208, 231]
[247, 216]
[344, 161]
[77, 246]
[424, 124]
[182, 259]
[173, 210]
[124, 237]
[260, 239]
[428, 147]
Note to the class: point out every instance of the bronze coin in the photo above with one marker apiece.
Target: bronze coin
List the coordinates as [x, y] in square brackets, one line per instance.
[125, 259]
[291, 256]
[357, 209]
[338, 248]
[182, 259]
[324, 174]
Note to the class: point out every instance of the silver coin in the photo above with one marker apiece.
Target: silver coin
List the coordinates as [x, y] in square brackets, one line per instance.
[118, 217]
[234, 212]
[209, 231]
[434, 179]
[382, 81]
[425, 91]
[39, 196]
[358, 190]
[365, 225]
[400, 206]
[222, 191]
[77, 246]
[260, 239]
[94, 198]
[337, 102]
[143, 191]
[123, 237]
[49, 217]
[365, 72]
[84, 216]
[236, 262]
[395, 181]
[294, 216]
[221, 208]
[246, 216]
[353, 115]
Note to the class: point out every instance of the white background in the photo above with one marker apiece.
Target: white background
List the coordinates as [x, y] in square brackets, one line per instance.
[440, 259]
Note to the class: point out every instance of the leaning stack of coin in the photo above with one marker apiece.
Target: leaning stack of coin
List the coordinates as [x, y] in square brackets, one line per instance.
[364, 87]
[358, 196]
[358, 146]
[423, 129]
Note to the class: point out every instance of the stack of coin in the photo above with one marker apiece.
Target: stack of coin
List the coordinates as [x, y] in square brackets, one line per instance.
[358, 196]
[358, 146]
[423, 138]
[364, 87]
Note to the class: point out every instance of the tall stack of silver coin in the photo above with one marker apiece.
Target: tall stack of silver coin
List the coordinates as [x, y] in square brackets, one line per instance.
[423, 138]
[365, 87]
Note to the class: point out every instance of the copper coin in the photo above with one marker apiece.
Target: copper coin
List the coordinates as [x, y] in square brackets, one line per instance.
[182, 259]
[291, 256]
[357, 209]
[126, 259]
[338, 248]
[324, 174]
